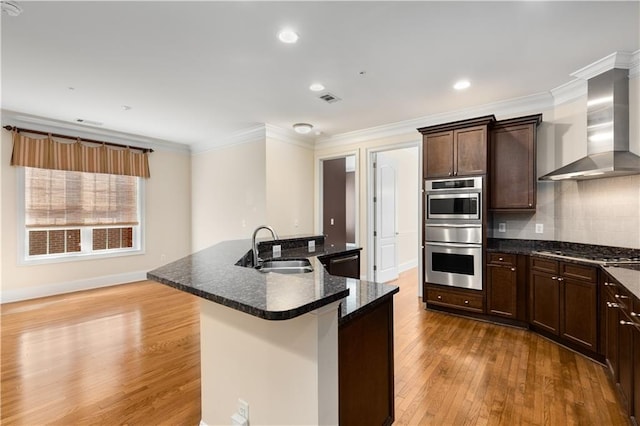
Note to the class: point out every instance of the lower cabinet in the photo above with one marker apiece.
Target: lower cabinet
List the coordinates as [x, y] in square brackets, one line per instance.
[365, 368]
[564, 302]
[454, 298]
[506, 284]
[622, 343]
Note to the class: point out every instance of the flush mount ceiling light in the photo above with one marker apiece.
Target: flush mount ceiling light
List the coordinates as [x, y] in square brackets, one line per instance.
[10, 8]
[302, 128]
[288, 36]
[316, 87]
[462, 84]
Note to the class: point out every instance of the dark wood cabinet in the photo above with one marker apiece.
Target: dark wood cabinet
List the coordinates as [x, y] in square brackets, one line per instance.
[611, 322]
[454, 298]
[343, 265]
[636, 362]
[503, 287]
[512, 158]
[456, 149]
[564, 302]
[365, 368]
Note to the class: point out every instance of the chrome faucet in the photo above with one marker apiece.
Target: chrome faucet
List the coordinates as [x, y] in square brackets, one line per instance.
[254, 245]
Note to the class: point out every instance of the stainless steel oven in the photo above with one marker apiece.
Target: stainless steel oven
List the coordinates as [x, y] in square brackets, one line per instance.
[453, 255]
[453, 200]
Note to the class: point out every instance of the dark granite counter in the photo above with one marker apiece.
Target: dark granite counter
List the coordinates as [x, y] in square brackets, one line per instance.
[212, 274]
[627, 275]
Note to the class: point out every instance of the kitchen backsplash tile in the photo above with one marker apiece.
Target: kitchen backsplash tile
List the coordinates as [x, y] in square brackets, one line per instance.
[600, 211]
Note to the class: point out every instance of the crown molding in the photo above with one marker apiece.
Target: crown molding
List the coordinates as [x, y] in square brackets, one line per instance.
[623, 60]
[18, 119]
[570, 91]
[526, 104]
[288, 136]
[251, 134]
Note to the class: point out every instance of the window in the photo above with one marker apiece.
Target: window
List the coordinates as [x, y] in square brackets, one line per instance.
[68, 214]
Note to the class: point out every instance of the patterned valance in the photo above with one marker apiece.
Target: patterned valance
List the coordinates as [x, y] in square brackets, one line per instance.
[45, 153]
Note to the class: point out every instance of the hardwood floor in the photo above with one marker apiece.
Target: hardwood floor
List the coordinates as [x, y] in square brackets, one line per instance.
[130, 355]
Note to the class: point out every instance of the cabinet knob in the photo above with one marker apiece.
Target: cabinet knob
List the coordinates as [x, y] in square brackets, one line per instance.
[560, 279]
[554, 278]
[449, 173]
[530, 205]
[466, 302]
[439, 297]
[513, 269]
[633, 314]
[623, 322]
[455, 173]
[606, 284]
[500, 259]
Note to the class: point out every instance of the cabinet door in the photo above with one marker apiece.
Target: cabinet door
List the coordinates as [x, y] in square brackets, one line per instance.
[438, 155]
[470, 151]
[611, 334]
[579, 313]
[512, 177]
[625, 363]
[636, 374]
[545, 302]
[502, 291]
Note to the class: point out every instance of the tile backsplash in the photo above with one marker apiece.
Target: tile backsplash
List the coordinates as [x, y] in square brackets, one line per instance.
[599, 211]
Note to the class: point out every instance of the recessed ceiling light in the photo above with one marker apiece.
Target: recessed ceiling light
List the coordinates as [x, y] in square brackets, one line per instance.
[302, 128]
[316, 87]
[288, 36]
[126, 107]
[462, 84]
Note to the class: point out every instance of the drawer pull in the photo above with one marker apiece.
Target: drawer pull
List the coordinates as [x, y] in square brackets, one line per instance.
[513, 269]
[612, 305]
[500, 259]
[617, 296]
[439, 297]
[554, 278]
[623, 322]
[633, 314]
[560, 279]
[466, 302]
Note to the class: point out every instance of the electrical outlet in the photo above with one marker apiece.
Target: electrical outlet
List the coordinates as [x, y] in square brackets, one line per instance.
[277, 250]
[539, 228]
[243, 408]
[312, 245]
[502, 227]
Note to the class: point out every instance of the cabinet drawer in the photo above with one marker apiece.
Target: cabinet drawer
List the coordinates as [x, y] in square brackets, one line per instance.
[544, 265]
[502, 259]
[571, 270]
[455, 299]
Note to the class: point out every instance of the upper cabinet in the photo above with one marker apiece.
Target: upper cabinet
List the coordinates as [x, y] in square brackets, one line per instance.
[456, 149]
[512, 158]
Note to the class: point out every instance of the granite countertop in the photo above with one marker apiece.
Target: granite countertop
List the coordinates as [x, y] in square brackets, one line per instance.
[627, 275]
[212, 274]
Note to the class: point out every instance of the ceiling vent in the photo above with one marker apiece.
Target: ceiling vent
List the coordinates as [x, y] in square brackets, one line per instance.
[329, 98]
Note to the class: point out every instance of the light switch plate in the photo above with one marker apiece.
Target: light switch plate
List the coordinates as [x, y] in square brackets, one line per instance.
[539, 228]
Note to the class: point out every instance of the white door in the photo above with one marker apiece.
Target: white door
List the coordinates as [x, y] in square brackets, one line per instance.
[386, 265]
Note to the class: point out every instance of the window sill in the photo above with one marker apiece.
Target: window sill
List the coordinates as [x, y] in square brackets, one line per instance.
[46, 259]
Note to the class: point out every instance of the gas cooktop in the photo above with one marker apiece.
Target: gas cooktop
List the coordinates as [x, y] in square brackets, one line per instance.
[598, 259]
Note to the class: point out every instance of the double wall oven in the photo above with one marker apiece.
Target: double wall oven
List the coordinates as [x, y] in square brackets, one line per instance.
[453, 232]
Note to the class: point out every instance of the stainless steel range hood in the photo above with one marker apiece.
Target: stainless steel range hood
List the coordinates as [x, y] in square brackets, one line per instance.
[607, 131]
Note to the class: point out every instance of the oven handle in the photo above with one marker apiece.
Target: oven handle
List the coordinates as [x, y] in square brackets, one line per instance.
[453, 225]
[462, 245]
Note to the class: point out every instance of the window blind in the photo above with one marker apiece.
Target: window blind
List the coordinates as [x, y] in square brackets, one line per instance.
[60, 198]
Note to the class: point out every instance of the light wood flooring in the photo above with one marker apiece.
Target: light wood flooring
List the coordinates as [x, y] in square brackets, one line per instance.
[130, 355]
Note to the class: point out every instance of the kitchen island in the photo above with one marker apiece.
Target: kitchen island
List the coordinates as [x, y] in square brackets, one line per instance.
[272, 339]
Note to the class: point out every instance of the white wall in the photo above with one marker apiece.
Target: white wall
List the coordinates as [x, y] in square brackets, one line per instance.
[267, 181]
[229, 193]
[167, 225]
[289, 186]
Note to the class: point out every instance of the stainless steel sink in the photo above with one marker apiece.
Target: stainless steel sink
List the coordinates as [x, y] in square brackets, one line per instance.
[286, 266]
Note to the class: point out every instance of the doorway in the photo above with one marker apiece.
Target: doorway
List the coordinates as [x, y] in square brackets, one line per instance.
[394, 211]
[338, 201]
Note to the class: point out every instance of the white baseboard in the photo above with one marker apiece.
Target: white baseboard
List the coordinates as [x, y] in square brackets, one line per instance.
[407, 265]
[15, 295]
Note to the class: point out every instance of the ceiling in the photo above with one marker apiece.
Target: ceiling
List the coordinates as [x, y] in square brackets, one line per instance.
[195, 72]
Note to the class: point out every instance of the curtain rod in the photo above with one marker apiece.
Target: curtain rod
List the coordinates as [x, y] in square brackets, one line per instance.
[10, 128]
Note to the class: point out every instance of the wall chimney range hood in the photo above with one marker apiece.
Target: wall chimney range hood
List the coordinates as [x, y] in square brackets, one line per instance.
[607, 131]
